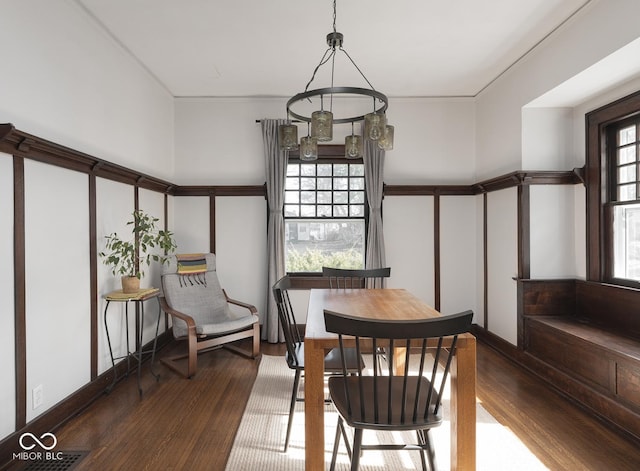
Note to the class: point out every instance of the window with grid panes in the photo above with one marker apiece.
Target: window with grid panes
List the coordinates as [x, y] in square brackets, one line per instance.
[324, 211]
[623, 146]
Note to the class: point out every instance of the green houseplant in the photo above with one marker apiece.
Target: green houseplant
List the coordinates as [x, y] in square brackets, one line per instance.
[128, 258]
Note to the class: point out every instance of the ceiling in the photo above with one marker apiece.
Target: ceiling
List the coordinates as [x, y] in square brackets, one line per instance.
[260, 48]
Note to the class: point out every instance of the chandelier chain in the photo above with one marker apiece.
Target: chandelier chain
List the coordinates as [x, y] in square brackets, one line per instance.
[334, 16]
[335, 43]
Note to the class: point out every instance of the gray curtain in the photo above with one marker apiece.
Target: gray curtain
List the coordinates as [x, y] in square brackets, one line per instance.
[374, 176]
[276, 172]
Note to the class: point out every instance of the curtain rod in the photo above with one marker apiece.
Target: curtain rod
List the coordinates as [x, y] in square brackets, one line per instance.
[293, 121]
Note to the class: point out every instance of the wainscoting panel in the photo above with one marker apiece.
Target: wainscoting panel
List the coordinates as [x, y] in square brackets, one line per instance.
[191, 223]
[552, 231]
[502, 253]
[458, 270]
[115, 203]
[241, 250]
[7, 307]
[152, 203]
[58, 321]
[409, 241]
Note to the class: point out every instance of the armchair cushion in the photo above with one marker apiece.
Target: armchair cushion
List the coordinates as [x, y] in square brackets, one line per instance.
[201, 297]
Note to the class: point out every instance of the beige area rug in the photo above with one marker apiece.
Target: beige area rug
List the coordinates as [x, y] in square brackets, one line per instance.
[259, 442]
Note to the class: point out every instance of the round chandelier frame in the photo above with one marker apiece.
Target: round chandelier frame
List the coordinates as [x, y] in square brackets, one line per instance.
[378, 98]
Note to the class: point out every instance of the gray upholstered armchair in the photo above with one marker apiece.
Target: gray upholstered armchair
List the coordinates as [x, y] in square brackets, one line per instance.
[201, 311]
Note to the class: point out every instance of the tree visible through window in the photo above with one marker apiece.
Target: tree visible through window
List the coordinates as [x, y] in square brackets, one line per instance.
[324, 211]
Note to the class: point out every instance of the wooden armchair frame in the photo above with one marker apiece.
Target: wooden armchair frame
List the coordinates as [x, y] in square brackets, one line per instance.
[202, 343]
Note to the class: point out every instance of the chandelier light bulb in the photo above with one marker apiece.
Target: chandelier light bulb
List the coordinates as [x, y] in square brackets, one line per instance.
[353, 147]
[374, 124]
[386, 141]
[288, 136]
[308, 148]
[322, 125]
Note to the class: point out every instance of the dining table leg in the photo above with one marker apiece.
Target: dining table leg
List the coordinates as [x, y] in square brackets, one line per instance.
[463, 405]
[314, 405]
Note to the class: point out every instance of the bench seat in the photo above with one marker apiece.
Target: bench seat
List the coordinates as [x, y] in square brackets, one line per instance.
[582, 337]
[609, 339]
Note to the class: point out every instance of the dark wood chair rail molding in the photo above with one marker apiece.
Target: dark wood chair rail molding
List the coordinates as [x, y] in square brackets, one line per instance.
[18, 143]
[509, 180]
[15, 142]
[221, 190]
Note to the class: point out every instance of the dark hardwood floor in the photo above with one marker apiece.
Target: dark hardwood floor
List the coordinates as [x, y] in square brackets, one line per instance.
[182, 424]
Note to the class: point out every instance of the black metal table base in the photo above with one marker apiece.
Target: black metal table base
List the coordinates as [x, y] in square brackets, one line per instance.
[138, 353]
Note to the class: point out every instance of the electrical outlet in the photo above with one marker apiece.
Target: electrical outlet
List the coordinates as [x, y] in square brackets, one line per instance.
[37, 396]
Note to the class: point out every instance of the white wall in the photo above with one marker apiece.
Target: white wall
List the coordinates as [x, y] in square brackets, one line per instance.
[70, 83]
[218, 141]
[434, 142]
[409, 239]
[191, 224]
[115, 204]
[458, 254]
[552, 235]
[152, 203]
[56, 249]
[7, 308]
[598, 30]
[479, 313]
[547, 138]
[241, 248]
[502, 254]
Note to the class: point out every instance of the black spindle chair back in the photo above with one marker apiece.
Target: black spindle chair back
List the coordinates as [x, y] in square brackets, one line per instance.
[390, 400]
[356, 279]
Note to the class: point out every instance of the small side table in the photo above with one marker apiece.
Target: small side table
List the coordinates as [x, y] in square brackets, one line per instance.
[137, 298]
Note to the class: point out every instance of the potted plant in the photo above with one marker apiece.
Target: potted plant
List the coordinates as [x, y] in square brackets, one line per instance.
[127, 258]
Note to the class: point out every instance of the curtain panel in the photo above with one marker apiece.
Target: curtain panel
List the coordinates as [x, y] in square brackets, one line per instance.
[374, 176]
[276, 172]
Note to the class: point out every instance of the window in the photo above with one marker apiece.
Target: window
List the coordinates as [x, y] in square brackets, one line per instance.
[325, 216]
[612, 180]
[623, 151]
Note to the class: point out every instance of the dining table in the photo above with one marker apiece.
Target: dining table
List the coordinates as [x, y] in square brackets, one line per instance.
[389, 304]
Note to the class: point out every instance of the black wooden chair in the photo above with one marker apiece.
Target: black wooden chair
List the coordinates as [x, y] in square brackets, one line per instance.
[410, 401]
[365, 278]
[295, 347]
[361, 278]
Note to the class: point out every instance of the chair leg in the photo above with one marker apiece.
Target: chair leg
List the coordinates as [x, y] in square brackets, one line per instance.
[292, 406]
[357, 444]
[256, 340]
[192, 362]
[336, 445]
[422, 442]
[344, 435]
[431, 453]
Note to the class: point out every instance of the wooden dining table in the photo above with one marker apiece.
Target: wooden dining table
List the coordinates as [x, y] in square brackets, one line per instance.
[383, 304]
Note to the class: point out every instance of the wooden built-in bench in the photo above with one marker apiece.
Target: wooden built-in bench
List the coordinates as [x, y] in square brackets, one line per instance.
[584, 338]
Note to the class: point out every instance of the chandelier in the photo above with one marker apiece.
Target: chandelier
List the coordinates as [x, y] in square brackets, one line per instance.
[320, 121]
